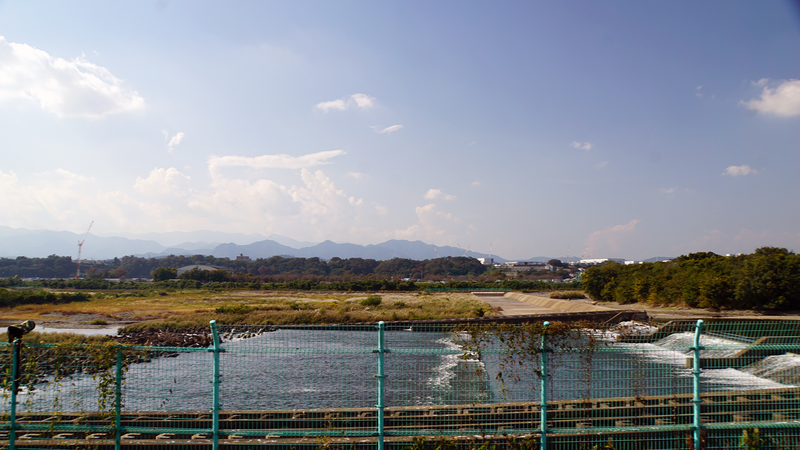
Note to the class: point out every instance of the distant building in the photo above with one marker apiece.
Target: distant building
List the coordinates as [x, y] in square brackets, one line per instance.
[521, 266]
[202, 267]
[241, 257]
[598, 261]
[486, 261]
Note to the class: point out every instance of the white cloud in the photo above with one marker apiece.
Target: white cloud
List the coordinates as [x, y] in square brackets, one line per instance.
[582, 146]
[382, 210]
[356, 175]
[735, 171]
[74, 88]
[475, 183]
[390, 129]
[71, 178]
[607, 240]
[668, 191]
[160, 181]
[434, 194]
[783, 100]
[175, 139]
[601, 164]
[433, 225]
[362, 101]
[272, 161]
[333, 104]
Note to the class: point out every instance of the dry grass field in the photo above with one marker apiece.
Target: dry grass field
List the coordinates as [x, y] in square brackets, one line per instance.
[176, 310]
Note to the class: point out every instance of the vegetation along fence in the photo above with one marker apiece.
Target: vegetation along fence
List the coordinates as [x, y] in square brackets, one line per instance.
[680, 385]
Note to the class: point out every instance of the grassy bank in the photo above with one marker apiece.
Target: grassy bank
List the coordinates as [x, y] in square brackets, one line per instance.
[192, 308]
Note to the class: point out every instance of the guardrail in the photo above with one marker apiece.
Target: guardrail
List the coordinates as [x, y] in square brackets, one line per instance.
[550, 386]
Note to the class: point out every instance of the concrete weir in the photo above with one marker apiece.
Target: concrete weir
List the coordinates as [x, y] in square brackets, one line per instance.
[551, 309]
[310, 427]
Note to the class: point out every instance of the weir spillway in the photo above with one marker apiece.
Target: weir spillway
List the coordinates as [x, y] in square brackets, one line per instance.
[309, 427]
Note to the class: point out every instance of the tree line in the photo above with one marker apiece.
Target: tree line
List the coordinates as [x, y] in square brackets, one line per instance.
[138, 267]
[769, 278]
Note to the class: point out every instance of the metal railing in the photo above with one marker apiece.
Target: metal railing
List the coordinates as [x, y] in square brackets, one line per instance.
[547, 386]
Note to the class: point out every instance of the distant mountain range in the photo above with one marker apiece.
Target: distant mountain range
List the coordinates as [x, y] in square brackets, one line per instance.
[41, 243]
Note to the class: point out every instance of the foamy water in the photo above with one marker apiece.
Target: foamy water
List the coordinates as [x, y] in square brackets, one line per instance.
[779, 368]
[714, 347]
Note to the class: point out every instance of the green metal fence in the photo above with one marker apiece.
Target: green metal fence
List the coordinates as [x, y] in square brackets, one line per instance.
[681, 385]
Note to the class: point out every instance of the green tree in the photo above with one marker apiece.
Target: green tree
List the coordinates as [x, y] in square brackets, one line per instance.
[164, 273]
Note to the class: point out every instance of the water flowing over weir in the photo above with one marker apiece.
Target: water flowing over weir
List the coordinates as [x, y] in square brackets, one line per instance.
[296, 385]
[294, 369]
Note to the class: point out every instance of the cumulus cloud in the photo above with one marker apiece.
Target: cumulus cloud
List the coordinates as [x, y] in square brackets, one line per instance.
[175, 140]
[70, 177]
[67, 200]
[434, 194]
[433, 224]
[582, 146]
[387, 130]
[160, 181]
[362, 101]
[782, 100]
[75, 88]
[272, 161]
[333, 104]
[356, 175]
[607, 240]
[735, 171]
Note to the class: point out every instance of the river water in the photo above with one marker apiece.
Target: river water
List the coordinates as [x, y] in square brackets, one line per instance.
[293, 369]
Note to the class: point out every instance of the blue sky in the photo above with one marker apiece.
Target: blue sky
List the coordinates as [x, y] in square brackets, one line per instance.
[611, 129]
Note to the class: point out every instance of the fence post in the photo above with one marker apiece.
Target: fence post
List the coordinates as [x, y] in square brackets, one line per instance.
[696, 384]
[215, 411]
[543, 399]
[12, 415]
[381, 376]
[118, 403]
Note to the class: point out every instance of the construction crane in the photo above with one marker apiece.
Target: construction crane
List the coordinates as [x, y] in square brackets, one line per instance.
[436, 250]
[80, 247]
[464, 252]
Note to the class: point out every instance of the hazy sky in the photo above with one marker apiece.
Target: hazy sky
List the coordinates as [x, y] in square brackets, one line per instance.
[605, 128]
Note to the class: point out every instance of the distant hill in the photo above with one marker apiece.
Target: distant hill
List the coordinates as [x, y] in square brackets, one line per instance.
[659, 258]
[16, 242]
[416, 250]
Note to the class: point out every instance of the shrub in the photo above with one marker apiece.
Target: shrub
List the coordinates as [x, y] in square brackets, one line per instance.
[568, 295]
[98, 322]
[371, 300]
[399, 304]
[239, 308]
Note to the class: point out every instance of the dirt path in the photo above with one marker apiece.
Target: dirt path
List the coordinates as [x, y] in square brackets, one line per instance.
[686, 313]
